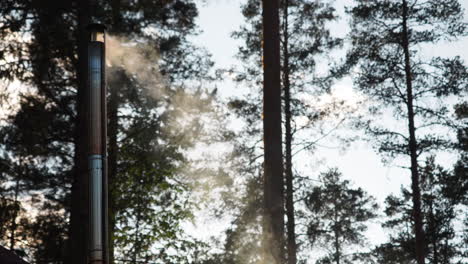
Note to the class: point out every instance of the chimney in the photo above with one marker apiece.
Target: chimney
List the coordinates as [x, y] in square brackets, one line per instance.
[97, 156]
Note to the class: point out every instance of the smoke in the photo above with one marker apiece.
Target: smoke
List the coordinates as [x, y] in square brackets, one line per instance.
[139, 60]
[192, 110]
[194, 120]
[225, 186]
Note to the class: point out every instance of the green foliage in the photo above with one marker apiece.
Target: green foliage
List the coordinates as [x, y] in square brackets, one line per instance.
[339, 216]
[378, 52]
[391, 70]
[308, 39]
[151, 196]
[304, 29]
[461, 167]
[442, 195]
[40, 44]
[48, 235]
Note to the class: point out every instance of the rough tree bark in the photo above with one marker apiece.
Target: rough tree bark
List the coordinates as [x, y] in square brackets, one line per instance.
[273, 237]
[77, 250]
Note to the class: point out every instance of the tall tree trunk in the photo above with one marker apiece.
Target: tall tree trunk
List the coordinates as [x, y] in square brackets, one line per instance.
[291, 226]
[273, 233]
[413, 146]
[77, 251]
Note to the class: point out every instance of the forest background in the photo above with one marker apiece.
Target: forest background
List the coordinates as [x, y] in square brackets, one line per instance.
[186, 150]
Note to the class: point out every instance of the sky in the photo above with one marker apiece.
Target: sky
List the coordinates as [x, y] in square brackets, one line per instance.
[359, 163]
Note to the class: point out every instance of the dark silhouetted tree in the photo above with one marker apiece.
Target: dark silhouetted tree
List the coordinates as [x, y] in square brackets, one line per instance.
[304, 37]
[442, 194]
[273, 181]
[340, 216]
[385, 36]
[47, 56]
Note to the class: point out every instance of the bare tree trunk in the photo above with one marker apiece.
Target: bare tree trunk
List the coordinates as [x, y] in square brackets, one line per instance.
[273, 233]
[413, 146]
[291, 225]
[77, 251]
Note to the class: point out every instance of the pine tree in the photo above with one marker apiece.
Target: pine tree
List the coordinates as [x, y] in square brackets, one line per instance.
[442, 194]
[385, 36]
[48, 127]
[340, 215]
[304, 37]
[461, 166]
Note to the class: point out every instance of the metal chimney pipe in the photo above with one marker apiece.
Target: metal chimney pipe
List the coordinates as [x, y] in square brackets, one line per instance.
[97, 145]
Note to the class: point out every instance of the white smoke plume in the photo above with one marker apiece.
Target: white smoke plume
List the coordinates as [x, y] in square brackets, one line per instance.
[138, 60]
[196, 120]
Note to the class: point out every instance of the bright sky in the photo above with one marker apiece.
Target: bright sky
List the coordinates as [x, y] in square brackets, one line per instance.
[360, 163]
